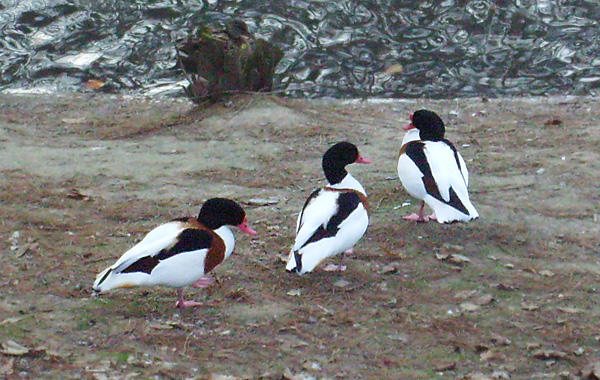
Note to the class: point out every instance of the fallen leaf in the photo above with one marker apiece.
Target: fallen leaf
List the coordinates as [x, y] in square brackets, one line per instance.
[591, 372]
[294, 292]
[485, 299]
[464, 294]
[399, 338]
[94, 84]
[459, 259]
[238, 295]
[478, 376]
[453, 247]
[223, 377]
[11, 320]
[487, 356]
[480, 347]
[22, 250]
[392, 302]
[507, 287]
[8, 367]
[469, 307]
[325, 310]
[160, 326]
[565, 375]
[549, 354]
[14, 238]
[341, 283]
[500, 340]
[314, 366]
[49, 351]
[529, 306]
[13, 348]
[442, 256]
[396, 254]
[546, 273]
[500, 375]
[73, 120]
[390, 268]
[454, 258]
[444, 366]
[553, 122]
[288, 375]
[76, 194]
[569, 310]
[263, 201]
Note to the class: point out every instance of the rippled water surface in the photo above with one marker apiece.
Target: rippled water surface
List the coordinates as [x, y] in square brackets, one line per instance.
[341, 48]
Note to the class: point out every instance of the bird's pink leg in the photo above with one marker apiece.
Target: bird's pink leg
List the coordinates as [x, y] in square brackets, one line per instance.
[417, 217]
[204, 282]
[183, 304]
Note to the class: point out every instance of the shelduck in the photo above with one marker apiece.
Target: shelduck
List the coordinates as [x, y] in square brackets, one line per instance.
[432, 170]
[334, 218]
[180, 252]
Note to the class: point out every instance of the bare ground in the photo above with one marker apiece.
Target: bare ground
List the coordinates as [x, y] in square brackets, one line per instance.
[514, 294]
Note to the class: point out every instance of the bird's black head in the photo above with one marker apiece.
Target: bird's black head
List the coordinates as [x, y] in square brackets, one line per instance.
[337, 157]
[430, 125]
[237, 28]
[218, 212]
[341, 154]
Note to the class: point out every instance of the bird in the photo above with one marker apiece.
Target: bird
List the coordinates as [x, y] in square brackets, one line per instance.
[236, 30]
[334, 218]
[432, 170]
[180, 252]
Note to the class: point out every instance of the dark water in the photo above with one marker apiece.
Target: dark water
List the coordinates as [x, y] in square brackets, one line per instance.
[340, 48]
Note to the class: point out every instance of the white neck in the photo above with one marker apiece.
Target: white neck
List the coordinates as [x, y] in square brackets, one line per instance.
[411, 135]
[349, 182]
[227, 236]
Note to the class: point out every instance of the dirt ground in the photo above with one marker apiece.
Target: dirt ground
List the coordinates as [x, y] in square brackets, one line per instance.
[514, 294]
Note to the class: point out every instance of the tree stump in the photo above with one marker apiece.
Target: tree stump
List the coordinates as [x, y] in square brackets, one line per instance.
[228, 62]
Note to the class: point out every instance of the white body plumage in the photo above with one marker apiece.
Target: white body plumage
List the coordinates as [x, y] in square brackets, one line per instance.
[317, 216]
[447, 176]
[179, 270]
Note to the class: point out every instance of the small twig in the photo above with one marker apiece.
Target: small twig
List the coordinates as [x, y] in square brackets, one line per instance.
[187, 340]
[244, 107]
[379, 203]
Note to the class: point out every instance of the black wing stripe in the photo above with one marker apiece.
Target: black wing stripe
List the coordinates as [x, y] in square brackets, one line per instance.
[188, 240]
[146, 264]
[456, 202]
[308, 200]
[347, 202]
[415, 151]
[460, 169]
[298, 258]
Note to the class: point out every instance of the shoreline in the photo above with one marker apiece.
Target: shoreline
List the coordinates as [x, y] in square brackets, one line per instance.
[513, 292]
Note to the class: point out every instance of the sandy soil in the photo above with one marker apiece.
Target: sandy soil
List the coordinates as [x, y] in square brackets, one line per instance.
[514, 294]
